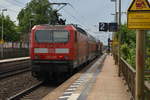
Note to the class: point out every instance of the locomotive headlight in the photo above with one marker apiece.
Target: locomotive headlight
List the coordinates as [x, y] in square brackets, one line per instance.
[61, 57]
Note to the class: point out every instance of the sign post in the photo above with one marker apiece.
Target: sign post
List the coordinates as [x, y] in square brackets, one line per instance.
[139, 19]
[140, 46]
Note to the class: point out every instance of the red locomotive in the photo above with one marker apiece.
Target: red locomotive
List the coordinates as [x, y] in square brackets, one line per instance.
[60, 48]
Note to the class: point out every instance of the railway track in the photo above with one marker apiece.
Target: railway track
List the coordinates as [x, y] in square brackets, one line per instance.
[39, 88]
[32, 93]
[10, 67]
[19, 95]
[13, 72]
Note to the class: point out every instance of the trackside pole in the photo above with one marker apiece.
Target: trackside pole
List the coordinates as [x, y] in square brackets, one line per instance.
[140, 48]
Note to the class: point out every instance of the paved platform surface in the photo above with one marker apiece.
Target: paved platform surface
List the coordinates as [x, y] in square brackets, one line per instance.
[108, 85]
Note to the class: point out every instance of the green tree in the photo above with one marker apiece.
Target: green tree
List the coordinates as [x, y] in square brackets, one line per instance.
[37, 12]
[9, 31]
[147, 49]
[127, 44]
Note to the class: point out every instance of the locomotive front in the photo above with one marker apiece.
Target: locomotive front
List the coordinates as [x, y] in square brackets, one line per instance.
[51, 50]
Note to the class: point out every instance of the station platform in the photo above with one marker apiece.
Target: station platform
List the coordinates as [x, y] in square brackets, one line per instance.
[100, 82]
[108, 86]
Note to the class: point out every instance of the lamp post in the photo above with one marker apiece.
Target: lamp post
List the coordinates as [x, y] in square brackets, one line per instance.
[119, 23]
[119, 37]
[115, 9]
[2, 34]
[113, 36]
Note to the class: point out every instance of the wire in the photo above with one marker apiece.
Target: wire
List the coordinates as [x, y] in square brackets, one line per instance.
[80, 23]
[7, 5]
[74, 17]
[12, 3]
[9, 9]
[19, 2]
[52, 0]
[77, 13]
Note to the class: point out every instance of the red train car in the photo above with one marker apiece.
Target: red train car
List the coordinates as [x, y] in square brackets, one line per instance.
[99, 48]
[92, 47]
[58, 49]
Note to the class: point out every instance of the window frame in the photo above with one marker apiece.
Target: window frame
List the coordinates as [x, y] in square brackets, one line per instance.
[51, 31]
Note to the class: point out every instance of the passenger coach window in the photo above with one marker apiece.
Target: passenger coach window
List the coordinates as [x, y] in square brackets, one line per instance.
[51, 36]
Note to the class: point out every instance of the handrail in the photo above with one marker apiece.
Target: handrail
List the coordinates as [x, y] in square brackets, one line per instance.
[130, 67]
[129, 74]
[147, 90]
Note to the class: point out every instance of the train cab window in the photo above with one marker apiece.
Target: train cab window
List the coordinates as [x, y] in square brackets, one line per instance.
[60, 36]
[52, 36]
[43, 36]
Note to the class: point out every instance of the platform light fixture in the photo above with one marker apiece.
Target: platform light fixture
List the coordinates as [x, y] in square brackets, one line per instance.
[2, 34]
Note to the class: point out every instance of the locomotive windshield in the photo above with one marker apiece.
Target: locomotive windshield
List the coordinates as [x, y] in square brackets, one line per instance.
[51, 36]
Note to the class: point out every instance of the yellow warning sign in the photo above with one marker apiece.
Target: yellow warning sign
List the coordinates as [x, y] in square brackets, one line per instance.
[139, 5]
[139, 20]
[139, 15]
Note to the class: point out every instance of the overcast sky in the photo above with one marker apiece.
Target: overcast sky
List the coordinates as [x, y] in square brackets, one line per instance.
[87, 13]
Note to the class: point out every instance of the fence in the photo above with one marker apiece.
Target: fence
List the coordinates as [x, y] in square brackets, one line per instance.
[15, 45]
[129, 74]
[13, 50]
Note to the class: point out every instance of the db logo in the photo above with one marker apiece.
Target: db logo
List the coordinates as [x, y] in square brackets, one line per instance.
[140, 4]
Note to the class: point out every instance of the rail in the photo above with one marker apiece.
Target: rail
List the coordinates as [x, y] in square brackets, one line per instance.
[129, 73]
[26, 91]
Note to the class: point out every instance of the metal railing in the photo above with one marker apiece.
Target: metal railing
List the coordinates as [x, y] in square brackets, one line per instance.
[129, 74]
[14, 53]
[147, 91]
[14, 50]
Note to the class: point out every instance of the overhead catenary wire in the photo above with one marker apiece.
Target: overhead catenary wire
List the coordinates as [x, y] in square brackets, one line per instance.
[20, 5]
[83, 24]
[75, 11]
[51, 0]
[3, 7]
[13, 3]
[6, 4]
[19, 2]
[80, 23]
[81, 17]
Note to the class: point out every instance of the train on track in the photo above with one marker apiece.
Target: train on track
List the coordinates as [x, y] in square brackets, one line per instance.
[56, 49]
